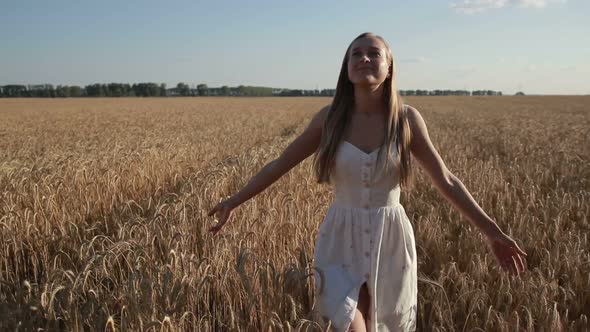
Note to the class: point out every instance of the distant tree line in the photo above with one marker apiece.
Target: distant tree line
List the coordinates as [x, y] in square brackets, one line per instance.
[183, 89]
[450, 93]
[92, 90]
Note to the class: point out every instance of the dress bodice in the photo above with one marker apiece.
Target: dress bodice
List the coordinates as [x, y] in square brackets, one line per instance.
[360, 183]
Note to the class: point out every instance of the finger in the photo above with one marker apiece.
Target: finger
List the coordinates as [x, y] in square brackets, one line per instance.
[221, 222]
[515, 267]
[212, 211]
[510, 269]
[509, 266]
[521, 251]
[214, 229]
[521, 264]
[515, 246]
[224, 218]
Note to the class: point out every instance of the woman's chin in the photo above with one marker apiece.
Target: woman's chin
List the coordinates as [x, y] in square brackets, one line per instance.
[368, 81]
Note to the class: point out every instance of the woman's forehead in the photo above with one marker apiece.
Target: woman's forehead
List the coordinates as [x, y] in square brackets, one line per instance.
[367, 43]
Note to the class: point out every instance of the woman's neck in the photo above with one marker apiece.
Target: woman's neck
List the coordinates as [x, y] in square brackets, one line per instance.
[368, 99]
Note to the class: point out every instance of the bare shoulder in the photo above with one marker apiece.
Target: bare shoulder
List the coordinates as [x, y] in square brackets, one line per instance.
[415, 119]
[323, 113]
[320, 117]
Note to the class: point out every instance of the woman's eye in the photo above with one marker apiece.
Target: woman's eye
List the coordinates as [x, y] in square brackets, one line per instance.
[371, 53]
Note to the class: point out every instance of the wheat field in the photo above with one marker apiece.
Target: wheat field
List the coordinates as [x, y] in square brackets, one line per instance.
[103, 215]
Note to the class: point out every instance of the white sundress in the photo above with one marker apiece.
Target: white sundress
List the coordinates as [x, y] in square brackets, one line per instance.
[366, 236]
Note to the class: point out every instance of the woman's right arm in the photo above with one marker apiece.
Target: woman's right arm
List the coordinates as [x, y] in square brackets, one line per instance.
[301, 148]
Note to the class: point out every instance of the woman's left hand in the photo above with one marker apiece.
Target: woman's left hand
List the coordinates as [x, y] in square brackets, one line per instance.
[507, 253]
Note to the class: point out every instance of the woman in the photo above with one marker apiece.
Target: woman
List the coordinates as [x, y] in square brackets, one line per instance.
[364, 256]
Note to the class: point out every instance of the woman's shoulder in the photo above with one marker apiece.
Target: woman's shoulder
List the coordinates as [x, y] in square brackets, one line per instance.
[414, 118]
[322, 115]
[324, 111]
[410, 112]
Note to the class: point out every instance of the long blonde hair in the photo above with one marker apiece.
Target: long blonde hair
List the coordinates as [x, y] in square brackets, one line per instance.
[397, 128]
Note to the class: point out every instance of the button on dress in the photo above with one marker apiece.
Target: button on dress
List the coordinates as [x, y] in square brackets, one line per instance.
[366, 236]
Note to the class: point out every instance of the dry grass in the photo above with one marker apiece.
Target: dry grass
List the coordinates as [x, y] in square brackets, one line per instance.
[103, 215]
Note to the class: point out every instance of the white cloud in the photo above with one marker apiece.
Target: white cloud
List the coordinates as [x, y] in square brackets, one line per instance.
[537, 3]
[478, 6]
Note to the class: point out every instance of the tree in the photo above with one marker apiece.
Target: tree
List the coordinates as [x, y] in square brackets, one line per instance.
[14, 90]
[75, 91]
[203, 89]
[183, 89]
[114, 90]
[62, 91]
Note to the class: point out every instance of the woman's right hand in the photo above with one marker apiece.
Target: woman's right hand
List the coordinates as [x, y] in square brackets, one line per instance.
[223, 212]
[508, 254]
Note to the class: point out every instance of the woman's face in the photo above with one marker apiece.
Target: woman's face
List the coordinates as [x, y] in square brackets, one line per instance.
[367, 61]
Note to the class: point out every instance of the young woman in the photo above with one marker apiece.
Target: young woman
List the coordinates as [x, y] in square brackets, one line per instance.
[364, 255]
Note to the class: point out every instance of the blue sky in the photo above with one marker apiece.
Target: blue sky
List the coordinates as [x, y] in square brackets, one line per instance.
[537, 46]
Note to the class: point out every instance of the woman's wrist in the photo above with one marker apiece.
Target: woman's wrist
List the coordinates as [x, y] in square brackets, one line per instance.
[491, 230]
[233, 202]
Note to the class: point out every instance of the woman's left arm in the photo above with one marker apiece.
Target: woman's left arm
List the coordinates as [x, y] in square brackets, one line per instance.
[505, 249]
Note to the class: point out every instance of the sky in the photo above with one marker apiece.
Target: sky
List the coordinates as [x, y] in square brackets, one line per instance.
[534, 46]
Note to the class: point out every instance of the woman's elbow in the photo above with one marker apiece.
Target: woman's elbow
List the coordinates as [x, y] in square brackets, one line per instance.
[446, 181]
